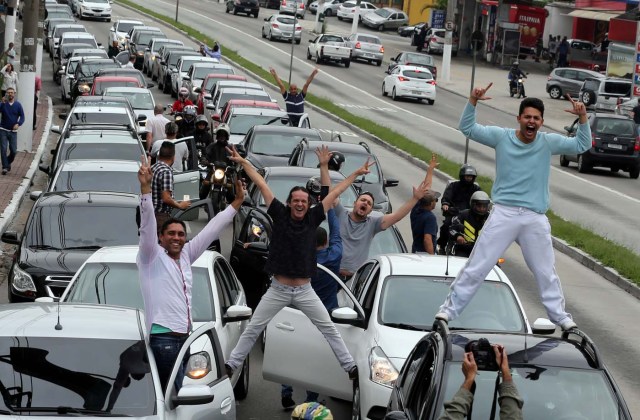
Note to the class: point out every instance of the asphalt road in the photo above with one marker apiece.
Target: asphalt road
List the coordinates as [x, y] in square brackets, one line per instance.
[602, 310]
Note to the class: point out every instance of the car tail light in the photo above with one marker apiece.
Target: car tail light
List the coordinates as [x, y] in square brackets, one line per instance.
[357, 45]
[549, 77]
[353, 10]
[298, 28]
[381, 49]
[431, 82]
[274, 25]
[434, 39]
[593, 140]
[302, 5]
[284, 3]
[636, 145]
[402, 79]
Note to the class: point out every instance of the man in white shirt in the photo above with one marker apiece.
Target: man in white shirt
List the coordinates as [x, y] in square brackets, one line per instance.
[155, 126]
[182, 151]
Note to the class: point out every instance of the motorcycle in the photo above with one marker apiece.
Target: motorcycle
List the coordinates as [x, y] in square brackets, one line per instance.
[222, 179]
[516, 87]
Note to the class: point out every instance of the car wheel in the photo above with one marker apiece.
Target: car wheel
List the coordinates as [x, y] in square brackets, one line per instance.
[583, 166]
[379, 63]
[235, 11]
[431, 101]
[328, 12]
[381, 28]
[309, 54]
[555, 92]
[355, 407]
[318, 59]
[564, 162]
[270, 36]
[262, 33]
[393, 94]
[588, 97]
[339, 18]
[298, 41]
[64, 98]
[347, 64]
[384, 92]
[165, 87]
[153, 76]
[241, 389]
[634, 172]
[227, 10]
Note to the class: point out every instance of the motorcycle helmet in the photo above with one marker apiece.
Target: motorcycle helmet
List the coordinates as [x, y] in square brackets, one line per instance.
[189, 113]
[183, 92]
[223, 128]
[311, 411]
[336, 161]
[515, 64]
[314, 186]
[479, 203]
[467, 170]
[202, 119]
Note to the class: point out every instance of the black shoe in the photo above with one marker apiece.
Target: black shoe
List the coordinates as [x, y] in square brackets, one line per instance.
[4, 172]
[229, 370]
[288, 403]
[9, 169]
[353, 373]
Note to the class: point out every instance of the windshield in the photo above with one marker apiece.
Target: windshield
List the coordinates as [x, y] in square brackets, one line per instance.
[89, 69]
[125, 26]
[202, 72]
[117, 284]
[138, 100]
[76, 374]
[173, 60]
[102, 85]
[282, 185]
[548, 392]
[276, 143]
[97, 181]
[58, 14]
[82, 118]
[211, 81]
[100, 151]
[410, 299]
[187, 62]
[259, 95]
[285, 20]
[145, 37]
[352, 161]
[332, 38]
[615, 127]
[93, 53]
[418, 74]
[75, 226]
[382, 12]
[419, 59]
[159, 44]
[87, 41]
[368, 39]
[240, 124]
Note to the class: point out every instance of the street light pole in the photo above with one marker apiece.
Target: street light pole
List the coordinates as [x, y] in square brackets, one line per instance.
[293, 36]
[474, 47]
[177, 5]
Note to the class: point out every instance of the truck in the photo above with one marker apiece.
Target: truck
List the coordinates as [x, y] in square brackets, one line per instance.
[329, 47]
[531, 20]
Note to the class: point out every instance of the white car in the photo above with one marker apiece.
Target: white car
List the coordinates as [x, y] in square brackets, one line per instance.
[218, 296]
[410, 82]
[198, 72]
[183, 66]
[118, 32]
[94, 361]
[151, 52]
[97, 9]
[391, 305]
[96, 175]
[348, 9]
[141, 100]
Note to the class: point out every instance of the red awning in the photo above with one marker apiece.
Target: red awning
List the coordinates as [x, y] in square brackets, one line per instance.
[490, 2]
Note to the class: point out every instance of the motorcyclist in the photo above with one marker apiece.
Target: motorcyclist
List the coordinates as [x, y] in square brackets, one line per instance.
[516, 73]
[466, 226]
[217, 150]
[182, 101]
[187, 124]
[456, 197]
[201, 135]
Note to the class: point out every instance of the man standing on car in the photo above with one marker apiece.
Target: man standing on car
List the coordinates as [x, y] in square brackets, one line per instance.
[293, 98]
[521, 196]
[164, 267]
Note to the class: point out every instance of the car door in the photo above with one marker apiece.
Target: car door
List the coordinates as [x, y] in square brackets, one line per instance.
[214, 400]
[229, 293]
[187, 183]
[297, 353]
[123, 58]
[187, 79]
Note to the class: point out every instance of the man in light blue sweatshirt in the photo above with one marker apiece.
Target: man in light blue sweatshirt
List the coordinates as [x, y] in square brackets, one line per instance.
[521, 196]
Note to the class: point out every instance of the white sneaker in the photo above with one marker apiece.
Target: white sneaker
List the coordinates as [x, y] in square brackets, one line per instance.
[443, 317]
[568, 325]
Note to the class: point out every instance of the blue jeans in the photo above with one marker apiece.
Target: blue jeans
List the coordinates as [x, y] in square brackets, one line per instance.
[8, 139]
[287, 391]
[165, 349]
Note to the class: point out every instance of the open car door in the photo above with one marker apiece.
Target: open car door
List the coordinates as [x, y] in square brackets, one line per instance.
[186, 184]
[297, 353]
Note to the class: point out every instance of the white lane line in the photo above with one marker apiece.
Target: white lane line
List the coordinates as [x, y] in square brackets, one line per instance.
[389, 104]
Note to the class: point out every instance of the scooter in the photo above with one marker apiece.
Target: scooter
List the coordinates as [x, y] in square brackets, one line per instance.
[516, 88]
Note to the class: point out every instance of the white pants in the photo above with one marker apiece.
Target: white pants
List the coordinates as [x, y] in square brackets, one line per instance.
[532, 232]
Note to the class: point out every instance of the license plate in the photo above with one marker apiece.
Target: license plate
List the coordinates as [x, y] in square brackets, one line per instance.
[286, 34]
[368, 55]
[615, 146]
[247, 9]
[416, 92]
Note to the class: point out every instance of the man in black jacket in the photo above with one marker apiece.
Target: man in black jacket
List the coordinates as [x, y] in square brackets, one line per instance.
[466, 226]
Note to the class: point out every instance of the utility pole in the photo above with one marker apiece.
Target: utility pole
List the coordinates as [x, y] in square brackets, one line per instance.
[10, 23]
[27, 74]
[177, 5]
[448, 40]
[41, 12]
[293, 36]
[356, 18]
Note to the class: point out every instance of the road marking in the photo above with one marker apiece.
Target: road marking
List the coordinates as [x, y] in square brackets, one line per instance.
[398, 108]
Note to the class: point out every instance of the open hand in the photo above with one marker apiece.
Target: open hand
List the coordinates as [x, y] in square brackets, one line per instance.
[578, 108]
[324, 155]
[420, 190]
[272, 71]
[240, 190]
[478, 94]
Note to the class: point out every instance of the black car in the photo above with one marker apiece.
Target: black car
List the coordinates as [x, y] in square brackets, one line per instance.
[558, 378]
[140, 42]
[615, 144]
[355, 156]
[408, 58]
[168, 66]
[248, 7]
[268, 145]
[85, 71]
[252, 226]
[61, 233]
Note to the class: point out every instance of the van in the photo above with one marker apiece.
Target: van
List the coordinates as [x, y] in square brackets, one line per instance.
[604, 93]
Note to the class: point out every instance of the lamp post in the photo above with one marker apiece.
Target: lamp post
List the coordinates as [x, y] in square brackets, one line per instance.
[474, 49]
[293, 36]
[177, 5]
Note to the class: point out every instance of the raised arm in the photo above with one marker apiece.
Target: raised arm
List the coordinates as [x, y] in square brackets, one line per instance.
[324, 155]
[309, 80]
[392, 218]
[251, 172]
[278, 81]
[560, 144]
[488, 136]
[148, 229]
[327, 202]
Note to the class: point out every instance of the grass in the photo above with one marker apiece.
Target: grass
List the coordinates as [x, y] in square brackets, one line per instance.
[611, 254]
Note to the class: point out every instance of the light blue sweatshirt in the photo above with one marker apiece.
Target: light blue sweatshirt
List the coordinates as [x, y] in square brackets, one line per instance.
[522, 170]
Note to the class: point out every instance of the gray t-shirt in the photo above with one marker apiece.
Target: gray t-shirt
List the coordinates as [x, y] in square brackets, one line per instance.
[356, 237]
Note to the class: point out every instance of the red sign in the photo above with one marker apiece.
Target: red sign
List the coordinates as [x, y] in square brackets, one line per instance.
[637, 68]
[531, 20]
[636, 90]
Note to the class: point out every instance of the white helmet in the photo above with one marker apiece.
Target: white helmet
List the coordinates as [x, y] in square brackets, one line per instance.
[223, 127]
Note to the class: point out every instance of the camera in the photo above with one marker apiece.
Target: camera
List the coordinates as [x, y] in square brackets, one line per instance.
[483, 354]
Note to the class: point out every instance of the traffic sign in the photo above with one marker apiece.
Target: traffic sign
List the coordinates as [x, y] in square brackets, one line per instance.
[448, 25]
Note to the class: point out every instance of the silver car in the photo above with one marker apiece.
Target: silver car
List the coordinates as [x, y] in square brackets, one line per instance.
[196, 74]
[366, 47]
[151, 52]
[67, 75]
[289, 7]
[141, 101]
[118, 32]
[564, 80]
[92, 361]
[330, 7]
[281, 27]
[385, 18]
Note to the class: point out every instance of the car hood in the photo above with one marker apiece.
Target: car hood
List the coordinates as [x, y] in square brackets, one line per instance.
[397, 343]
[53, 262]
[372, 17]
[262, 161]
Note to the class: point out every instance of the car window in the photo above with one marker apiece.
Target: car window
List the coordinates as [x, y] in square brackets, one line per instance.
[369, 293]
[617, 88]
[279, 144]
[286, 20]
[419, 390]
[129, 151]
[120, 181]
[383, 13]
[411, 367]
[368, 39]
[241, 124]
[138, 100]
[224, 293]
[419, 59]
[591, 84]
[418, 74]
[615, 127]
[359, 278]
[394, 16]
[231, 283]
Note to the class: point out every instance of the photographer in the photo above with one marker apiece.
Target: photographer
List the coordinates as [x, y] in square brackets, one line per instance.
[509, 399]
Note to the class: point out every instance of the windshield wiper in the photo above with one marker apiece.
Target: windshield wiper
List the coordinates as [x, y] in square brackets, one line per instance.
[84, 247]
[404, 326]
[43, 247]
[62, 410]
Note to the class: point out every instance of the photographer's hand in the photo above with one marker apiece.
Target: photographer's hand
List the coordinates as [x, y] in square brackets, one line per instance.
[469, 370]
[503, 361]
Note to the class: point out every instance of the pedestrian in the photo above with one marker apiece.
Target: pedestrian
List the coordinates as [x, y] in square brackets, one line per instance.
[521, 198]
[539, 48]
[553, 47]
[12, 118]
[359, 226]
[155, 126]
[604, 46]
[563, 53]
[293, 98]
[510, 401]
[9, 79]
[424, 226]
[164, 267]
[422, 36]
[38, 88]
[181, 148]
[215, 52]
[162, 185]
[635, 114]
[10, 53]
[131, 64]
[292, 262]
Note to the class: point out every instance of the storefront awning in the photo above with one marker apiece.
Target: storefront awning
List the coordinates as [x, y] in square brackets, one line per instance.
[489, 2]
[604, 15]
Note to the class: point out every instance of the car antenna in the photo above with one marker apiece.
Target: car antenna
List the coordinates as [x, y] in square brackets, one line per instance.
[446, 270]
[89, 200]
[58, 326]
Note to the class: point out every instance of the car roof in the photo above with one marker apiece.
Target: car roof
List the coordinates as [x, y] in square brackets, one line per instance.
[167, 40]
[106, 131]
[147, 28]
[610, 115]
[92, 321]
[126, 89]
[84, 138]
[75, 198]
[116, 79]
[337, 146]
[417, 69]
[250, 103]
[432, 265]
[72, 35]
[247, 90]
[286, 129]
[70, 25]
[226, 76]
[97, 100]
[93, 165]
[129, 21]
[274, 112]
[100, 60]
[129, 253]
[93, 109]
[238, 83]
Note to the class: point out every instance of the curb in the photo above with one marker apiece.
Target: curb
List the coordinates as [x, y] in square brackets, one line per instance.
[19, 194]
[574, 253]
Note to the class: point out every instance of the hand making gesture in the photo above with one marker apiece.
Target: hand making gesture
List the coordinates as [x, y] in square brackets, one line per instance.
[478, 94]
[324, 155]
[578, 108]
[234, 156]
[364, 169]
[145, 175]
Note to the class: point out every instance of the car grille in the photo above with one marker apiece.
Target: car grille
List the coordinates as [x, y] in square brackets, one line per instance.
[55, 285]
[97, 10]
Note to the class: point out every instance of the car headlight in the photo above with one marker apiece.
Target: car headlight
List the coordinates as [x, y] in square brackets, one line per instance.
[108, 9]
[382, 370]
[22, 281]
[199, 365]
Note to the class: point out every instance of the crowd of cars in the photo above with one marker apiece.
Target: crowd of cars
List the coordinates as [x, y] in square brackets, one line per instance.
[64, 255]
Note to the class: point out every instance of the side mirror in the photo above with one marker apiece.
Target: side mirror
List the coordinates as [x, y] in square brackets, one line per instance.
[61, 72]
[45, 168]
[211, 106]
[46, 299]
[207, 96]
[63, 115]
[147, 49]
[163, 63]
[11, 237]
[567, 129]
[237, 313]
[141, 117]
[396, 415]
[266, 19]
[112, 29]
[390, 182]
[193, 395]
[34, 195]
[543, 326]
[344, 316]
[56, 128]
